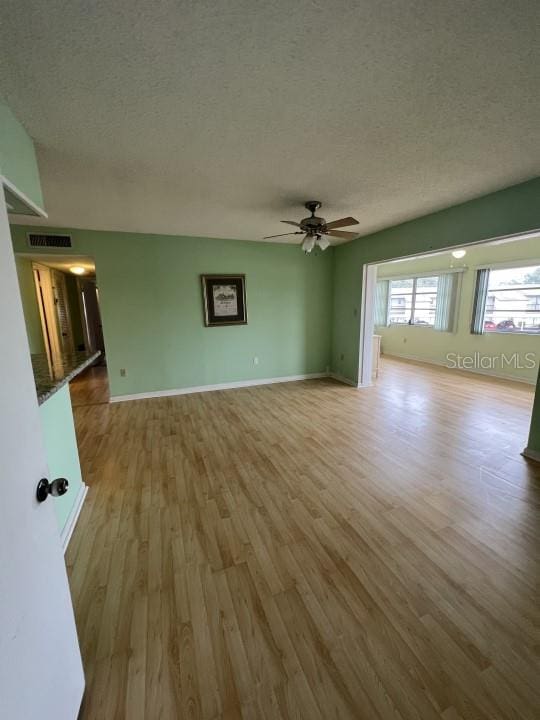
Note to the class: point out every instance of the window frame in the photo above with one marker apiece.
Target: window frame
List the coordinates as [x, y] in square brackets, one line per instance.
[483, 298]
[414, 294]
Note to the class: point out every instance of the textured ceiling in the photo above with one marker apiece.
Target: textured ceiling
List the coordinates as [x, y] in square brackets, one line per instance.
[219, 119]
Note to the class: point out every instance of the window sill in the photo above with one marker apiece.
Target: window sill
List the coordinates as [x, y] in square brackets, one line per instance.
[408, 325]
[510, 332]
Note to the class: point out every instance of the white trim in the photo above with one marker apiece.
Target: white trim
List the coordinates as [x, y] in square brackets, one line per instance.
[509, 265]
[440, 363]
[22, 197]
[342, 379]
[430, 273]
[218, 386]
[69, 527]
[531, 454]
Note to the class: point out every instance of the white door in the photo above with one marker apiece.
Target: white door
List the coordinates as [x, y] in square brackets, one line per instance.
[47, 313]
[41, 675]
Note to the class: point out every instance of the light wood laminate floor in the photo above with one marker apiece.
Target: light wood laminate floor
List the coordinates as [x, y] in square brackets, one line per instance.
[311, 551]
[91, 387]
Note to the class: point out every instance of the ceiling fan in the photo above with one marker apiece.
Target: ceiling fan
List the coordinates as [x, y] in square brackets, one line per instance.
[316, 228]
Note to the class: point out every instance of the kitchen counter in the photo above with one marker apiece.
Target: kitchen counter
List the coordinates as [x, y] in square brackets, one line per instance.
[50, 376]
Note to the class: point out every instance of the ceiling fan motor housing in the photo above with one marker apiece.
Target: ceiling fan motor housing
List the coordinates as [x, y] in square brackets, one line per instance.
[313, 224]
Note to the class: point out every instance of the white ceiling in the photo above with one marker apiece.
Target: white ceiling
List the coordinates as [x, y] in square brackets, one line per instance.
[220, 119]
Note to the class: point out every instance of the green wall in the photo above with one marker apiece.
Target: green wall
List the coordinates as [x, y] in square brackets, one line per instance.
[29, 303]
[534, 436]
[61, 450]
[424, 343]
[152, 313]
[17, 157]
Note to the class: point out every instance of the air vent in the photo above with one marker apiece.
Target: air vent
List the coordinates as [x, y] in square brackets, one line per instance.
[57, 241]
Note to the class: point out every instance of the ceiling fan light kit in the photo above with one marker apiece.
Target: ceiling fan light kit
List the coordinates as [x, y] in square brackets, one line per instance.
[323, 242]
[308, 244]
[315, 229]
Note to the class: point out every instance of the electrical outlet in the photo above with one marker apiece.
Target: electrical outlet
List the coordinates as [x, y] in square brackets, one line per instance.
[122, 372]
[255, 360]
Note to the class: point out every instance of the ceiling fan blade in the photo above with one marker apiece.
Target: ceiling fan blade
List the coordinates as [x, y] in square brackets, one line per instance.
[342, 234]
[291, 222]
[283, 235]
[344, 222]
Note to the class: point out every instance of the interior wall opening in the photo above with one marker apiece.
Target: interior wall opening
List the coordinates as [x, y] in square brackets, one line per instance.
[473, 309]
[60, 296]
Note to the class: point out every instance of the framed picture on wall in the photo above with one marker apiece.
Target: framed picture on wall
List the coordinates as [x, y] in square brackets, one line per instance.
[224, 298]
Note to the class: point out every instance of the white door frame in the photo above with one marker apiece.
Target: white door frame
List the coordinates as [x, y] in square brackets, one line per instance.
[365, 350]
[47, 311]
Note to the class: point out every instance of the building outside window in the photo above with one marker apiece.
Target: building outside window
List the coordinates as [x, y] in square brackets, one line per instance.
[413, 301]
[512, 302]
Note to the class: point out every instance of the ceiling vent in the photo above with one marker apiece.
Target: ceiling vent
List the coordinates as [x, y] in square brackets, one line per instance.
[49, 241]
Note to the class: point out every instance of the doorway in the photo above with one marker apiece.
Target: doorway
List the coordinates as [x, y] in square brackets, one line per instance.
[472, 308]
[60, 296]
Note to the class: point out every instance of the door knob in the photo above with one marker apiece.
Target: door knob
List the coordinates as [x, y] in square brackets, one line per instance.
[55, 488]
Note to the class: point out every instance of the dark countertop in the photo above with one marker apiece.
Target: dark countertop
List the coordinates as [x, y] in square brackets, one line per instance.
[50, 376]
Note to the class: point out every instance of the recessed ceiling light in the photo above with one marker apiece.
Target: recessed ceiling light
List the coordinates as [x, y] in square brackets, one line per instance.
[77, 270]
[459, 253]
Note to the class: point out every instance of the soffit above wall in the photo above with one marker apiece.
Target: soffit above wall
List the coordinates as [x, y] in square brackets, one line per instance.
[514, 253]
[221, 119]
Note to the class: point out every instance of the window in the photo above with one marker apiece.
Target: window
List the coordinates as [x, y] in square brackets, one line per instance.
[507, 300]
[413, 301]
[418, 300]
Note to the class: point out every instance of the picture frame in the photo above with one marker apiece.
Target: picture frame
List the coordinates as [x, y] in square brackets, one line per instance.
[224, 300]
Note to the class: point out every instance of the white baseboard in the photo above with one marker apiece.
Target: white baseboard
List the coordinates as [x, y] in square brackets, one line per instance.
[342, 379]
[219, 386]
[531, 454]
[440, 363]
[69, 527]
